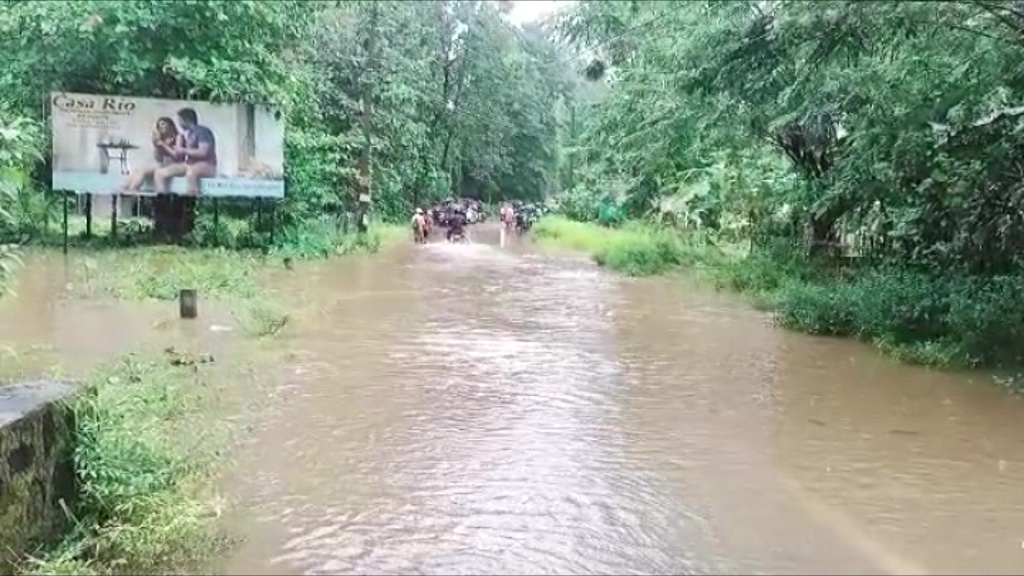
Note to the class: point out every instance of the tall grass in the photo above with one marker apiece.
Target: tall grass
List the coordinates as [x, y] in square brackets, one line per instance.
[635, 249]
[143, 455]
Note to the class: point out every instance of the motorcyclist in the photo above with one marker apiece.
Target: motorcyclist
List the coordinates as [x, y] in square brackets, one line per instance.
[522, 219]
[456, 224]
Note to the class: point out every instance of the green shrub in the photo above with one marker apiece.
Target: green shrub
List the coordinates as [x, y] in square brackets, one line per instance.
[925, 318]
[988, 317]
[324, 238]
[636, 250]
[142, 458]
[816, 309]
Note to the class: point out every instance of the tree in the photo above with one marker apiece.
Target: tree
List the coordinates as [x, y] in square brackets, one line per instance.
[879, 108]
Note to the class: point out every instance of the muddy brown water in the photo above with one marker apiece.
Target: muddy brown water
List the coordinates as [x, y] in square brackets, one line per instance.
[478, 409]
[49, 328]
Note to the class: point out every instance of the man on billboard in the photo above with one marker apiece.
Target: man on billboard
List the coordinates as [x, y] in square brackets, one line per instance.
[196, 159]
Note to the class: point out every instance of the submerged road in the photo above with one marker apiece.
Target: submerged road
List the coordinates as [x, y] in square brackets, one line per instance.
[478, 409]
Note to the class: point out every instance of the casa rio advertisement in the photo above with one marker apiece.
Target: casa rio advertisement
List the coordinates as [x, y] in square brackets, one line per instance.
[142, 146]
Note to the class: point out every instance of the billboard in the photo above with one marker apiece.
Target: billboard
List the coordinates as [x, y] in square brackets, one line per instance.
[126, 145]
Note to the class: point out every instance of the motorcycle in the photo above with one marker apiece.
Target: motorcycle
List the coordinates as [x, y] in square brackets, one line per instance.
[458, 239]
[440, 217]
[524, 222]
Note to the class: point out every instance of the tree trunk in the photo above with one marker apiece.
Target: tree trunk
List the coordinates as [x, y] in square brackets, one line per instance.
[572, 146]
[364, 181]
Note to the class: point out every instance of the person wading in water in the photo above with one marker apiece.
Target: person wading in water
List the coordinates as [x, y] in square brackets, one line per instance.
[419, 227]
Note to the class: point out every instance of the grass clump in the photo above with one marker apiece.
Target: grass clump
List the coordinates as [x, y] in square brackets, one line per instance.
[143, 504]
[635, 249]
[159, 273]
[262, 318]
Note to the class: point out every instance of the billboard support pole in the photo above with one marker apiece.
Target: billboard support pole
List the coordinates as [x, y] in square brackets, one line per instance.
[273, 220]
[113, 216]
[88, 215]
[216, 222]
[64, 197]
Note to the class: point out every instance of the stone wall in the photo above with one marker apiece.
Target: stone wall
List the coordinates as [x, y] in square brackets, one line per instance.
[37, 476]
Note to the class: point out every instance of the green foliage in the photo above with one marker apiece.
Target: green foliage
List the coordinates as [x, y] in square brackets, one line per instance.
[140, 462]
[327, 237]
[919, 317]
[894, 133]
[19, 144]
[886, 133]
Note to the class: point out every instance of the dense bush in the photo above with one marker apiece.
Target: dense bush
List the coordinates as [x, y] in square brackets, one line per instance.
[924, 317]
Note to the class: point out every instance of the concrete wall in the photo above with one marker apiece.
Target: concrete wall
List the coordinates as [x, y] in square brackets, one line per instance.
[36, 467]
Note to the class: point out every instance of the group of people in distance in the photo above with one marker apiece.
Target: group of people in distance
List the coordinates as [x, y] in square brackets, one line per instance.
[454, 216]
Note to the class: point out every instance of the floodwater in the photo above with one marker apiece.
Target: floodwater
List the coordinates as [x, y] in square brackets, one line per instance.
[48, 325]
[477, 409]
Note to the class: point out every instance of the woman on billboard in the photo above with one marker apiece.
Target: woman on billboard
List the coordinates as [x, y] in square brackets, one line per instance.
[166, 139]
